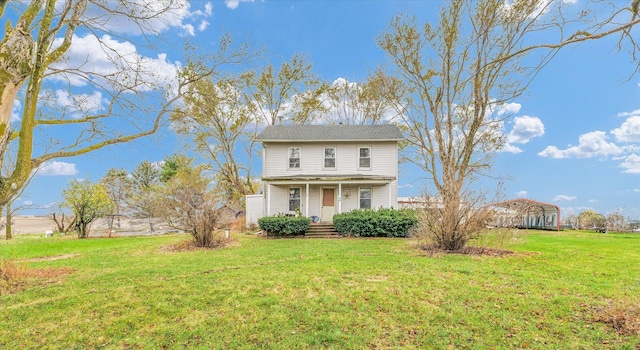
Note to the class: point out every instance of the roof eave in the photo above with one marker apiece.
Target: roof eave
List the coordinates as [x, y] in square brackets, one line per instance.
[328, 140]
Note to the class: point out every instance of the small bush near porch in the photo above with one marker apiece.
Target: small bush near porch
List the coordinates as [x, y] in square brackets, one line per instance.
[281, 225]
[375, 223]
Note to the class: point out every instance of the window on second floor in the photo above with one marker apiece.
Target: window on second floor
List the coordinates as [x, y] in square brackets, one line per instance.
[329, 157]
[364, 160]
[294, 158]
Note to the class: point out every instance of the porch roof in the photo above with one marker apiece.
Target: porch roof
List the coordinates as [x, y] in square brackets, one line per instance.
[319, 179]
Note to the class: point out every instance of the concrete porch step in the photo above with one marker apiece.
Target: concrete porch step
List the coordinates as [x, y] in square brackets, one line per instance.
[321, 230]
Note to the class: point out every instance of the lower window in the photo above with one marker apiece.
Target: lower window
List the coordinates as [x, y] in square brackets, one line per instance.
[294, 198]
[365, 198]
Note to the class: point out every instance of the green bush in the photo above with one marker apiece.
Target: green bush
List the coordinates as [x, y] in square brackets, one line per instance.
[375, 223]
[281, 225]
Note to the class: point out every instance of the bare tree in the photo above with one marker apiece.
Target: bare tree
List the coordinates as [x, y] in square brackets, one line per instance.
[118, 186]
[570, 221]
[222, 116]
[458, 73]
[218, 117]
[353, 103]
[190, 204]
[102, 106]
[291, 92]
[142, 199]
[10, 209]
[63, 220]
[616, 221]
[591, 219]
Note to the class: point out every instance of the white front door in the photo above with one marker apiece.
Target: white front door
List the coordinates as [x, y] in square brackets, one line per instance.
[328, 204]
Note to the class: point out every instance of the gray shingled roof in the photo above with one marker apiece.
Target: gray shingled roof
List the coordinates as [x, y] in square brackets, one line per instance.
[311, 133]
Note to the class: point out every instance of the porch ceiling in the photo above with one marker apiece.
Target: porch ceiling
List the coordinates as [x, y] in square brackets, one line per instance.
[323, 179]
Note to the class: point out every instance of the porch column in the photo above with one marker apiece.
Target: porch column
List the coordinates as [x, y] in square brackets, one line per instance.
[268, 185]
[306, 200]
[339, 197]
[389, 195]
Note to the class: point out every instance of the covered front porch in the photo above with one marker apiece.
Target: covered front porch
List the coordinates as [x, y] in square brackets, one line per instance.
[325, 196]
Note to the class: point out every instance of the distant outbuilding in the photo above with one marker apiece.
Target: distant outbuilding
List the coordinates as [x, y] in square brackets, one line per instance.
[527, 213]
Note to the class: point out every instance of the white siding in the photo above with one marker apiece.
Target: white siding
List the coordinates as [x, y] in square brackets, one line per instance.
[384, 159]
[393, 190]
[254, 209]
[384, 162]
[280, 199]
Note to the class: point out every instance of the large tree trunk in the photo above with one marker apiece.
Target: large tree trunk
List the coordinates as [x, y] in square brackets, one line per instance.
[9, 217]
[16, 63]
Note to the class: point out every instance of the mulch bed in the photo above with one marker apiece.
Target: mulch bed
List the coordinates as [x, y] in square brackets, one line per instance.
[479, 251]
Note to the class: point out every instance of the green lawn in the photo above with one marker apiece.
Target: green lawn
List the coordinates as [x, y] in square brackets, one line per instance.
[334, 293]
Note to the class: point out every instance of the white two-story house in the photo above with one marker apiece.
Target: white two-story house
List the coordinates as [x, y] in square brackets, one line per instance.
[321, 170]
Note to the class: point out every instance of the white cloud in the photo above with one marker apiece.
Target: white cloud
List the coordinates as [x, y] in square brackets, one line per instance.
[631, 164]
[203, 25]
[629, 131]
[511, 149]
[630, 114]
[593, 201]
[120, 61]
[596, 144]
[590, 145]
[27, 203]
[564, 197]
[83, 103]
[233, 4]
[55, 168]
[159, 15]
[189, 29]
[522, 194]
[540, 9]
[508, 109]
[524, 129]
[207, 12]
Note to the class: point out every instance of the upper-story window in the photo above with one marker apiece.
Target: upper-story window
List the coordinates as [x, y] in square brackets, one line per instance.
[364, 160]
[294, 157]
[329, 157]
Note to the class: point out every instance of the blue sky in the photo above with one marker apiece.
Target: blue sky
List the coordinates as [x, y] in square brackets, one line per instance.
[574, 139]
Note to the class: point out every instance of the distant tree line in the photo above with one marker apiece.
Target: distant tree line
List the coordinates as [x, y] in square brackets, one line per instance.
[590, 219]
[176, 190]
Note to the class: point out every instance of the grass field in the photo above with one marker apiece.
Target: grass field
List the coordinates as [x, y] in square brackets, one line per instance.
[334, 293]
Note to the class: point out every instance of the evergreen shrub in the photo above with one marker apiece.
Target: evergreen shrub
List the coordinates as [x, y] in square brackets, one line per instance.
[281, 225]
[383, 222]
